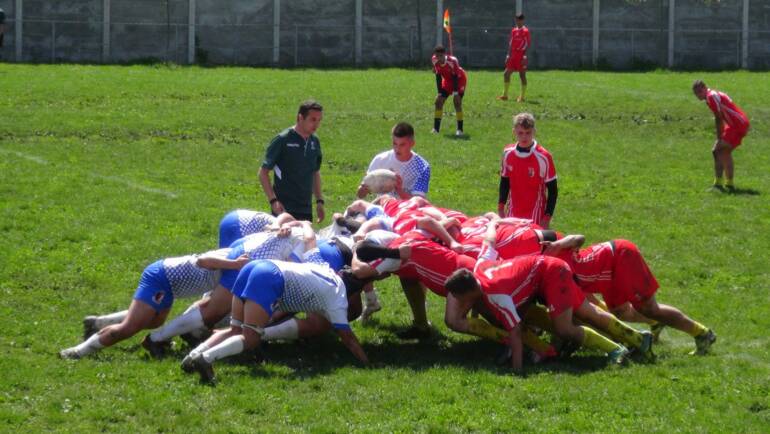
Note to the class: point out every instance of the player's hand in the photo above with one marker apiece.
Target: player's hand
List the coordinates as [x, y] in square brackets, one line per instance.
[284, 231]
[548, 248]
[277, 207]
[456, 247]
[363, 190]
[242, 260]
[319, 211]
[400, 185]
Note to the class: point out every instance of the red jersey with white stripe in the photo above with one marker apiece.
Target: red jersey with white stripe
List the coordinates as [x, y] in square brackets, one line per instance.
[451, 213]
[394, 207]
[527, 174]
[592, 266]
[722, 106]
[449, 69]
[520, 40]
[514, 237]
[431, 263]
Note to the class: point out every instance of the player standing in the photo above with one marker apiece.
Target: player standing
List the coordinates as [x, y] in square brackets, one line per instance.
[450, 79]
[516, 60]
[732, 125]
[528, 176]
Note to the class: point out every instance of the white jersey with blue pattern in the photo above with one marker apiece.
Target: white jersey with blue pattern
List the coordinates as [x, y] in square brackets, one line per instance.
[187, 279]
[267, 245]
[313, 287]
[251, 222]
[415, 173]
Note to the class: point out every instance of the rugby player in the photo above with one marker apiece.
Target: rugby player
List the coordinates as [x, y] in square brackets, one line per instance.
[516, 60]
[450, 80]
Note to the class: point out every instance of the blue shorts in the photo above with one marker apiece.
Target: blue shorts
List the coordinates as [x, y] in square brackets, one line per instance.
[264, 284]
[154, 288]
[229, 229]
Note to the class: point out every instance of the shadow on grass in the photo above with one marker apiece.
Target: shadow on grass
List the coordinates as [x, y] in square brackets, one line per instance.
[745, 192]
[465, 137]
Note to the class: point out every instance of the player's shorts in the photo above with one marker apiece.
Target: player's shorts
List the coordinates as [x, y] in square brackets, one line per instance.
[734, 135]
[632, 280]
[264, 284]
[154, 288]
[558, 287]
[229, 229]
[448, 86]
[517, 61]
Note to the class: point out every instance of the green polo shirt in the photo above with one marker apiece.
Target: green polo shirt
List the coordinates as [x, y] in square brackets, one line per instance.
[293, 161]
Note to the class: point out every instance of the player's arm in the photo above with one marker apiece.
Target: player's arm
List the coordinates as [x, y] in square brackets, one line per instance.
[350, 341]
[570, 242]
[438, 83]
[514, 341]
[319, 207]
[550, 204]
[212, 262]
[502, 197]
[283, 218]
[437, 229]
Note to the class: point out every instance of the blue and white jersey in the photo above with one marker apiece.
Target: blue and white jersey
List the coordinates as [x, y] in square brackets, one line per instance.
[376, 211]
[313, 287]
[414, 173]
[267, 245]
[241, 222]
[187, 279]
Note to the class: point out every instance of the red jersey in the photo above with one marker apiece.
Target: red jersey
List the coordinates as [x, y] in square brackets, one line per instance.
[527, 174]
[514, 237]
[520, 40]
[724, 107]
[394, 207]
[592, 266]
[449, 69]
[431, 263]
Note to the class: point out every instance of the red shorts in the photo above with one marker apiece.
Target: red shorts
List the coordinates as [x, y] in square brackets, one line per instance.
[448, 86]
[517, 61]
[734, 135]
[632, 280]
[558, 288]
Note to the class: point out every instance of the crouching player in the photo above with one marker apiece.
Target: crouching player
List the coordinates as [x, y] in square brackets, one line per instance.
[617, 270]
[242, 222]
[161, 283]
[265, 286]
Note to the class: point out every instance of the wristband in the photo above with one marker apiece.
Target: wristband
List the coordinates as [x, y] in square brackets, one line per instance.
[273, 200]
[320, 201]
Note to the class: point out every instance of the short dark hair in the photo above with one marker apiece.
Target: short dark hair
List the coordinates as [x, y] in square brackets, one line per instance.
[698, 84]
[403, 129]
[439, 49]
[461, 282]
[309, 105]
[519, 16]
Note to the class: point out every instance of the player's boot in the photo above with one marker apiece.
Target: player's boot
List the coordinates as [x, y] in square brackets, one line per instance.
[645, 349]
[187, 364]
[156, 349]
[519, 99]
[716, 188]
[703, 342]
[618, 356]
[503, 97]
[370, 307]
[89, 326]
[69, 354]
[656, 329]
[415, 332]
[205, 369]
[434, 131]
[459, 133]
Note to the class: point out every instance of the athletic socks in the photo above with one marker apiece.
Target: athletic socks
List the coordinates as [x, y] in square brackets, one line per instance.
[287, 330]
[483, 329]
[729, 182]
[199, 349]
[459, 121]
[718, 181]
[593, 340]
[624, 334]
[530, 339]
[184, 323]
[697, 329]
[229, 347]
[110, 319]
[437, 119]
[89, 346]
[523, 92]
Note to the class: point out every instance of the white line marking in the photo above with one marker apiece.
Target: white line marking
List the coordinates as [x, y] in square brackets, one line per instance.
[119, 180]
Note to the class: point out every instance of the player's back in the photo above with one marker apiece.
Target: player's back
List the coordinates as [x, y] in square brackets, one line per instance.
[720, 102]
[310, 286]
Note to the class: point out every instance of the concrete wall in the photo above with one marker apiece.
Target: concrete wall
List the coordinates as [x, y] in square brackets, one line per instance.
[628, 34]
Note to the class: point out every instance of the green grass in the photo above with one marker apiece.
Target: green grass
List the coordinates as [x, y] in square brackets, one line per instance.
[106, 169]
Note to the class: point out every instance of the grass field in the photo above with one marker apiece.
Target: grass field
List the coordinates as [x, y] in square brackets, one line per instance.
[105, 169]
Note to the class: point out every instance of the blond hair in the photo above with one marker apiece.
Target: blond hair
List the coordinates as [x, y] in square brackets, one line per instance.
[524, 120]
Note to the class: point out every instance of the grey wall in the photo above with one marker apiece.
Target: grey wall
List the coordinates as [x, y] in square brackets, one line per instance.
[631, 34]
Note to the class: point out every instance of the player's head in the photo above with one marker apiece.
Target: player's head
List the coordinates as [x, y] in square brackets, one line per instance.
[440, 53]
[309, 117]
[700, 89]
[462, 283]
[403, 140]
[524, 129]
[519, 19]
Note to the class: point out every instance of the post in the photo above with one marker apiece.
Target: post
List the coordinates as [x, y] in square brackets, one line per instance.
[359, 31]
[105, 31]
[595, 35]
[519, 6]
[53, 41]
[191, 32]
[671, 10]
[296, 45]
[18, 23]
[745, 36]
[276, 31]
[439, 22]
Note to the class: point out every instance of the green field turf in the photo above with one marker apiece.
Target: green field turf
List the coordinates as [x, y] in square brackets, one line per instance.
[103, 170]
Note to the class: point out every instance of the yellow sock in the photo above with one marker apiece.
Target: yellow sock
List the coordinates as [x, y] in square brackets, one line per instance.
[483, 329]
[530, 339]
[438, 114]
[538, 316]
[717, 180]
[697, 329]
[593, 340]
[523, 90]
[729, 182]
[459, 116]
[600, 304]
[506, 86]
[624, 334]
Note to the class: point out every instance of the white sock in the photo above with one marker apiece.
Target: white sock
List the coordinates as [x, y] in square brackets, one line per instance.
[199, 349]
[110, 319]
[184, 323]
[287, 330]
[229, 347]
[89, 346]
[371, 297]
